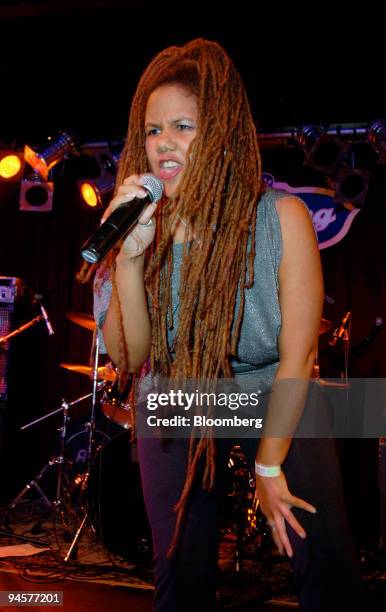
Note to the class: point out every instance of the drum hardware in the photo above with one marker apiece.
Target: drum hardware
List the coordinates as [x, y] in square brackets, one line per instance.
[248, 519]
[72, 473]
[315, 376]
[341, 333]
[55, 462]
[77, 456]
[90, 446]
[325, 326]
[65, 486]
[114, 403]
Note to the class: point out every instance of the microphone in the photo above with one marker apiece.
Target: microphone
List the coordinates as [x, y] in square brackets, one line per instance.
[339, 331]
[120, 222]
[38, 298]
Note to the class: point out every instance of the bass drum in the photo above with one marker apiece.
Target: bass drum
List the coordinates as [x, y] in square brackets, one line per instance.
[77, 447]
[116, 504]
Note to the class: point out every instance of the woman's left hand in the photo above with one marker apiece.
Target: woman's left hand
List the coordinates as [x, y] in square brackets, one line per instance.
[276, 502]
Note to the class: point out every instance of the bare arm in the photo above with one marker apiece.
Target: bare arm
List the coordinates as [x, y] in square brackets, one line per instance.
[301, 295]
[135, 317]
[129, 298]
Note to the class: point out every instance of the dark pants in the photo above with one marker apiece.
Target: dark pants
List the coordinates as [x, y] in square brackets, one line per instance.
[326, 572]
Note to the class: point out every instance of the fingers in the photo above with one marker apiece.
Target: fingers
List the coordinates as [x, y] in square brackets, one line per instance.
[290, 517]
[301, 503]
[276, 502]
[281, 537]
[278, 527]
[132, 187]
[279, 532]
[147, 215]
[291, 520]
[276, 538]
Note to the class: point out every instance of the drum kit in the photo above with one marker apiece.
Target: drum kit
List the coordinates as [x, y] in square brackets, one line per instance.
[99, 475]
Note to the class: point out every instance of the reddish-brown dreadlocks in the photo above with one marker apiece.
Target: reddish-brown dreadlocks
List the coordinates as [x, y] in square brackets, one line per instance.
[217, 197]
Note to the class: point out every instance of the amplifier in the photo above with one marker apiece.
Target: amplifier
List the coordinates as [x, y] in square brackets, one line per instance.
[6, 316]
[11, 289]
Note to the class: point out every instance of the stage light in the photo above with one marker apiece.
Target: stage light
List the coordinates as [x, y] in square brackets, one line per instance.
[324, 152]
[36, 195]
[11, 165]
[88, 194]
[376, 136]
[94, 191]
[351, 186]
[308, 135]
[42, 161]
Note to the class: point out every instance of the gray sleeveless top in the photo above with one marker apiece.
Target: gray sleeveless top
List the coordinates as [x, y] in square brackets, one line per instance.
[257, 349]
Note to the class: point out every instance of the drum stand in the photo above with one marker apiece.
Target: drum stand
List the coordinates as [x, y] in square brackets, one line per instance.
[57, 462]
[54, 461]
[90, 446]
[248, 519]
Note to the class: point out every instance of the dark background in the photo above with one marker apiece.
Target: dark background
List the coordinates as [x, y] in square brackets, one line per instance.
[74, 66]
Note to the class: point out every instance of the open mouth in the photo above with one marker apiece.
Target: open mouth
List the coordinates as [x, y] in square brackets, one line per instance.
[169, 169]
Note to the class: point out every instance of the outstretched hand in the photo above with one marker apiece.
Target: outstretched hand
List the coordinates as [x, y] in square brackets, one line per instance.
[276, 502]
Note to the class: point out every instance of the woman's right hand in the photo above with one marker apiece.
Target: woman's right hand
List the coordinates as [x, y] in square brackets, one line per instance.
[137, 241]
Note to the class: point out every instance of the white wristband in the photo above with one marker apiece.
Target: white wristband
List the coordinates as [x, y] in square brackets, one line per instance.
[269, 471]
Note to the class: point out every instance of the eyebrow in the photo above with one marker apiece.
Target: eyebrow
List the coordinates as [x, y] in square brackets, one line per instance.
[174, 121]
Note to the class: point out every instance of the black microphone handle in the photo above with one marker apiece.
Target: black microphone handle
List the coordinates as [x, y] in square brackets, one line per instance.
[116, 226]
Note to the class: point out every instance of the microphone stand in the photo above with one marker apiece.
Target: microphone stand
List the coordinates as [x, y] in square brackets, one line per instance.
[19, 330]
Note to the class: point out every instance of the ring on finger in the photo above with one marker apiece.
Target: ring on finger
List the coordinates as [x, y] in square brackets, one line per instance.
[150, 222]
[272, 526]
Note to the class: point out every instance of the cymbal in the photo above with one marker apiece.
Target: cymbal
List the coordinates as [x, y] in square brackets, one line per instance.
[104, 372]
[325, 325]
[84, 320]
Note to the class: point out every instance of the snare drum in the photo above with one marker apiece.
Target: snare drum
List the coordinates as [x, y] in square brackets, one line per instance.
[115, 406]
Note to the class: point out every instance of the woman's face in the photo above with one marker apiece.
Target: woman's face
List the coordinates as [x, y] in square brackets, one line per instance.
[170, 127]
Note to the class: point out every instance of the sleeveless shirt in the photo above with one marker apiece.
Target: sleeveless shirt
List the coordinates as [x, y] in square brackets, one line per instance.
[257, 348]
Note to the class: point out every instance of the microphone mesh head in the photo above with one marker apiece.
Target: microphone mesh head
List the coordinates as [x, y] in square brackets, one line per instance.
[154, 186]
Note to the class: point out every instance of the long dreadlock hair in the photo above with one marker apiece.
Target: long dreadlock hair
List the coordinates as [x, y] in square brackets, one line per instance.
[217, 196]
